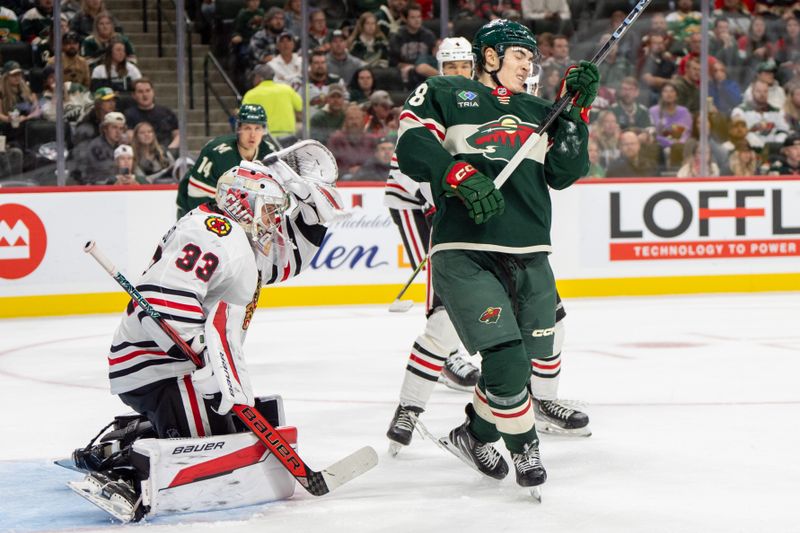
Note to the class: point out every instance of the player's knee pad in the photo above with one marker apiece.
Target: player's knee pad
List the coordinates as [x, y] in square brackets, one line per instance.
[505, 369]
[440, 333]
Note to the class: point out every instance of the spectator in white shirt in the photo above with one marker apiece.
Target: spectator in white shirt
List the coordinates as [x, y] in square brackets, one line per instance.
[287, 64]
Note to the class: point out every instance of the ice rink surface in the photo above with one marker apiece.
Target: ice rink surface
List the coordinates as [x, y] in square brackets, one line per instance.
[694, 405]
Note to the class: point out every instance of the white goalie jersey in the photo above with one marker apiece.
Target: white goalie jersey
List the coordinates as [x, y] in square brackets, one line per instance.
[205, 259]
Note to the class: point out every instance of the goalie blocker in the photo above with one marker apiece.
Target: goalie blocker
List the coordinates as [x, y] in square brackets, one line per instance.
[185, 475]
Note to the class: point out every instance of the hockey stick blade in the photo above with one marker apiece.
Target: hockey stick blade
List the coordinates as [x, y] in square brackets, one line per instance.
[400, 306]
[350, 467]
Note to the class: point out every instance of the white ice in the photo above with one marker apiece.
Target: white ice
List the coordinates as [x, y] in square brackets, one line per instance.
[694, 405]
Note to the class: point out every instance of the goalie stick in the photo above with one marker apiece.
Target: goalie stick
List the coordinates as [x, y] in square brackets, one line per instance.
[317, 483]
[562, 103]
[401, 306]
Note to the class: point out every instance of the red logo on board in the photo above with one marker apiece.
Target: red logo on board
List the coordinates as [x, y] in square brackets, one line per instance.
[23, 241]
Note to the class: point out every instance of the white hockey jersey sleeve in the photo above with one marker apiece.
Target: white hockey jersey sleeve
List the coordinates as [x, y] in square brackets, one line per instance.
[305, 234]
[401, 192]
[203, 259]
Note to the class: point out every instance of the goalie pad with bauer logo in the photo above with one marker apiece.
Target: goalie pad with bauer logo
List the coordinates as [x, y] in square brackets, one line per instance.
[214, 473]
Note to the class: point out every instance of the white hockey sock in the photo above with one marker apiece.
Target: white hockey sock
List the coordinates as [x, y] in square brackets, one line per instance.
[430, 351]
[422, 373]
[545, 372]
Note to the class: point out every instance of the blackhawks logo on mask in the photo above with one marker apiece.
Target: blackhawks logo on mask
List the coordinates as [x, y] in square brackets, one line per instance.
[491, 315]
[501, 138]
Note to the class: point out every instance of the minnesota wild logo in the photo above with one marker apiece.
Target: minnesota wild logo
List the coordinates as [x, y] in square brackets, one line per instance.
[500, 139]
[491, 315]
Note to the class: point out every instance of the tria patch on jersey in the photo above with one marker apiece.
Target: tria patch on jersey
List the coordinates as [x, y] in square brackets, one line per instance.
[491, 315]
[466, 99]
[501, 138]
[220, 226]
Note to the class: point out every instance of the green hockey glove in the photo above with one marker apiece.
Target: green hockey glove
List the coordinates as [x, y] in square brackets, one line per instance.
[480, 196]
[583, 81]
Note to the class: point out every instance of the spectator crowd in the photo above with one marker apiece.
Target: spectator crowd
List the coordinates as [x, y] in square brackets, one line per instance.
[115, 131]
[367, 55]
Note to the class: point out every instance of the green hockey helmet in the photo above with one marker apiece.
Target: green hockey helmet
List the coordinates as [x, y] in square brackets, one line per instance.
[252, 114]
[502, 34]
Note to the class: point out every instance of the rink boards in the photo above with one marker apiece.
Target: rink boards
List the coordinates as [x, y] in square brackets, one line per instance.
[610, 238]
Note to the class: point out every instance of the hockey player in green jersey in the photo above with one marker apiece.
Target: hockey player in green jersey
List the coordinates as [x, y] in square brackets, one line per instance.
[251, 142]
[489, 247]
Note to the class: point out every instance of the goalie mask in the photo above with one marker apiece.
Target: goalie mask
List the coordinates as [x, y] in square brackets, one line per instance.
[257, 201]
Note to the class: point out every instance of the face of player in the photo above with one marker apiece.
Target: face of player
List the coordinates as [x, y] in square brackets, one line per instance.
[457, 68]
[516, 69]
[250, 135]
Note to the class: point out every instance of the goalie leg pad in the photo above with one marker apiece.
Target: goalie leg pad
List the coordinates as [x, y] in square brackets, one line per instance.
[212, 473]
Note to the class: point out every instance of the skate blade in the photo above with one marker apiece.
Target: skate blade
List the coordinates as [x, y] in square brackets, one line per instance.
[87, 491]
[394, 448]
[543, 426]
[69, 465]
[536, 492]
[455, 386]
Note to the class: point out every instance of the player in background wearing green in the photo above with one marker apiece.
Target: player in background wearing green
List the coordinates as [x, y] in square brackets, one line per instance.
[251, 142]
[489, 247]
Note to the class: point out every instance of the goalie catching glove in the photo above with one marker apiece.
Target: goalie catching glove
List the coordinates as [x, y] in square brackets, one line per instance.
[308, 170]
[482, 199]
[582, 81]
[225, 371]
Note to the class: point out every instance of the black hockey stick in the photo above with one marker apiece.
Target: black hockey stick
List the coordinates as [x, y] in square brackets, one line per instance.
[317, 483]
[562, 103]
[401, 306]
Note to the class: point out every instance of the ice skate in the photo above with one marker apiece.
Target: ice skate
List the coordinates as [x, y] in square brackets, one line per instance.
[116, 497]
[402, 427]
[482, 456]
[459, 374]
[530, 471]
[557, 417]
